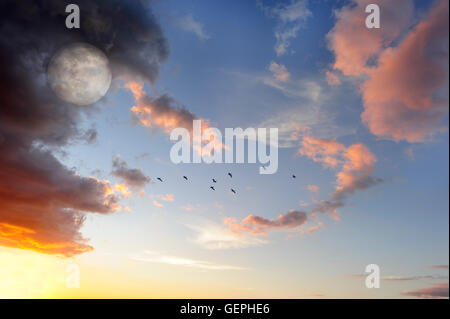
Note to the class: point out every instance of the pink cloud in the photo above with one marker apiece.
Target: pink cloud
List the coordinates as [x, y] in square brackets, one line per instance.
[313, 188]
[280, 73]
[157, 204]
[332, 78]
[312, 228]
[354, 45]
[404, 87]
[356, 163]
[321, 150]
[405, 96]
[438, 267]
[257, 225]
[167, 198]
[439, 290]
[162, 112]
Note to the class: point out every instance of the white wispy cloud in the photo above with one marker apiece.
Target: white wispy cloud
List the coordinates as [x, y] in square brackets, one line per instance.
[189, 24]
[213, 236]
[290, 18]
[157, 257]
[308, 102]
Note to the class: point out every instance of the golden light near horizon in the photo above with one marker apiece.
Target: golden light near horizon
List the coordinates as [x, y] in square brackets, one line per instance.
[28, 274]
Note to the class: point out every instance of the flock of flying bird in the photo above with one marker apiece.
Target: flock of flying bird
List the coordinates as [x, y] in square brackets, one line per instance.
[214, 181]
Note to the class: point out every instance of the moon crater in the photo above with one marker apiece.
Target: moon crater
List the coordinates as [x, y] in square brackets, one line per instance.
[79, 73]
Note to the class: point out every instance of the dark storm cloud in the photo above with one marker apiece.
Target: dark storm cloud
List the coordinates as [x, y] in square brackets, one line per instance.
[42, 202]
[133, 177]
[90, 135]
[125, 31]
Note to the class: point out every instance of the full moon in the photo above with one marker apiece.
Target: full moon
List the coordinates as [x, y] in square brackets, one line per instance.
[79, 73]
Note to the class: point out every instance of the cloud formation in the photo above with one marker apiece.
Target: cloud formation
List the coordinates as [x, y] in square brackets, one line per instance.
[279, 71]
[257, 225]
[356, 163]
[439, 290]
[213, 236]
[133, 177]
[168, 198]
[438, 266]
[332, 78]
[157, 204]
[122, 189]
[411, 278]
[290, 19]
[162, 112]
[189, 24]
[43, 203]
[404, 70]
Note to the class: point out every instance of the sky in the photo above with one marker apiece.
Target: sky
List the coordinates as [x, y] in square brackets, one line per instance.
[362, 118]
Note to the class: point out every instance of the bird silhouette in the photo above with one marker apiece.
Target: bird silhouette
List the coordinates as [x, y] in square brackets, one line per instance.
[233, 191]
[159, 179]
[293, 176]
[212, 187]
[185, 177]
[214, 181]
[229, 174]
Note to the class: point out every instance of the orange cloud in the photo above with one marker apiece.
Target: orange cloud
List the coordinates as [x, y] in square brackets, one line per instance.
[44, 210]
[257, 225]
[162, 112]
[313, 188]
[43, 203]
[354, 45]
[122, 189]
[356, 164]
[321, 150]
[24, 238]
[300, 130]
[357, 168]
[157, 204]
[405, 87]
[168, 198]
[165, 113]
[406, 96]
[137, 88]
